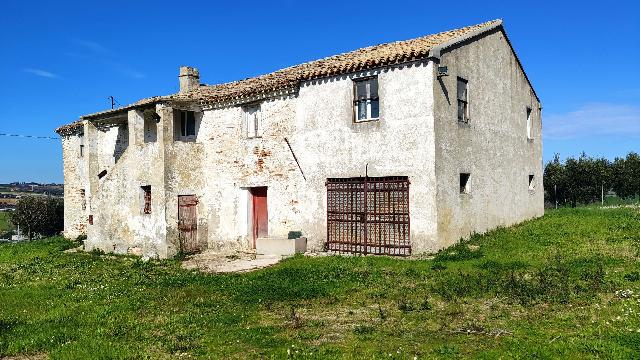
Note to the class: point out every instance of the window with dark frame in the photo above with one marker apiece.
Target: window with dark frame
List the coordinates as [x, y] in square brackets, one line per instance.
[366, 102]
[147, 199]
[253, 121]
[187, 123]
[464, 183]
[463, 100]
[529, 135]
[532, 184]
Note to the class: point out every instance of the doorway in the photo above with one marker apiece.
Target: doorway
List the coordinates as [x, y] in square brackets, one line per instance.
[188, 224]
[259, 216]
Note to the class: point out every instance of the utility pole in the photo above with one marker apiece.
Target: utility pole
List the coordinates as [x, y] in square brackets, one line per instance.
[555, 194]
[602, 193]
[113, 102]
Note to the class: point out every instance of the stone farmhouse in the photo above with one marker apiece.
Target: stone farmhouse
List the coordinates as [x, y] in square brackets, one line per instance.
[399, 148]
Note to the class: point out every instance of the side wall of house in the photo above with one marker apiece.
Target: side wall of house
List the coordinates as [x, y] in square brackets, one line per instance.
[74, 173]
[493, 148]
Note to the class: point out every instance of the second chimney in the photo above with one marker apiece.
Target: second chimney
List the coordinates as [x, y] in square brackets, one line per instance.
[189, 78]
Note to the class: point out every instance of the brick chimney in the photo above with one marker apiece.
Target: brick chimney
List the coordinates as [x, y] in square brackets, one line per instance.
[189, 78]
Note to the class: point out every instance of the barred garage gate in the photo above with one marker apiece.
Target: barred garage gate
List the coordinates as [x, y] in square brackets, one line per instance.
[368, 215]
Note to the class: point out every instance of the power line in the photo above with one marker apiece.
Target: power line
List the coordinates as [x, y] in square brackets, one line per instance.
[30, 136]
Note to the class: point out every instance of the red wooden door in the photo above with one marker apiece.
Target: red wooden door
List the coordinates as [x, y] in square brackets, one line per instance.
[188, 224]
[260, 218]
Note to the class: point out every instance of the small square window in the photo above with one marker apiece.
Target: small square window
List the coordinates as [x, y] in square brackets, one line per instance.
[462, 94]
[464, 183]
[146, 190]
[366, 103]
[532, 184]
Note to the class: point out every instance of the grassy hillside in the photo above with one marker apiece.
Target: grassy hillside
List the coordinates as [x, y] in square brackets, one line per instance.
[563, 286]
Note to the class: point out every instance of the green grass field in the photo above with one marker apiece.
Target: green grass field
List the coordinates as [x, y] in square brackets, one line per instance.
[5, 224]
[563, 286]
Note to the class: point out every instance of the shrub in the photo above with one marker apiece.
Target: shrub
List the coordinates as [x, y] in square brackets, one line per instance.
[39, 215]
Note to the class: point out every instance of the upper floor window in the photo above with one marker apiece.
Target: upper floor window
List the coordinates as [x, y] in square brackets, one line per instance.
[253, 120]
[81, 153]
[366, 102]
[187, 123]
[463, 100]
[529, 134]
[186, 127]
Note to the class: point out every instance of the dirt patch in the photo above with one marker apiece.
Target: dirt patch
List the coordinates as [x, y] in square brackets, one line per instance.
[26, 357]
[229, 263]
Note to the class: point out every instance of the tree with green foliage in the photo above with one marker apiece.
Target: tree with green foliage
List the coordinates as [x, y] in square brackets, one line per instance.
[626, 174]
[585, 179]
[555, 181]
[39, 215]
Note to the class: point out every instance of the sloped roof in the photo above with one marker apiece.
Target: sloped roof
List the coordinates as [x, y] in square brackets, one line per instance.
[362, 59]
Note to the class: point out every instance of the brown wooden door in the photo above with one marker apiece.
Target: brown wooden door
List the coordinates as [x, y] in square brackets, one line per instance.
[188, 224]
[260, 217]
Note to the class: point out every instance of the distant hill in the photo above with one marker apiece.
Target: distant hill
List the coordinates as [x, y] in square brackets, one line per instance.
[11, 192]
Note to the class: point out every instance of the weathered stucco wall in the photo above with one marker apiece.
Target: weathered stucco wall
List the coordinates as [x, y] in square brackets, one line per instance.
[75, 199]
[319, 125]
[401, 143]
[119, 224]
[493, 148]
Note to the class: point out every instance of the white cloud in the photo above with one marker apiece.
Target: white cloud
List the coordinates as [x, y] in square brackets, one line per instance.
[132, 73]
[593, 119]
[41, 73]
[92, 46]
[98, 54]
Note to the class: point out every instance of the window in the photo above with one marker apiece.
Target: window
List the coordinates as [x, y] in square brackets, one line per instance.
[254, 121]
[146, 190]
[102, 174]
[463, 100]
[532, 184]
[151, 120]
[187, 123]
[81, 150]
[366, 103]
[529, 136]
[464, 183]
[83, 199]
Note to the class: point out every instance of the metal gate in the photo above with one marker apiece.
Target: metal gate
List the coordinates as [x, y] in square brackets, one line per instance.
[188, 224]
[368, 215]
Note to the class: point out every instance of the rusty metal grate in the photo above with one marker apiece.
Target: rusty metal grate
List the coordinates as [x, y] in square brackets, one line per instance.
[368, 215]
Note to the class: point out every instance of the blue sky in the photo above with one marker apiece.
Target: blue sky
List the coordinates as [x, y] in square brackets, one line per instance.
[63, 59]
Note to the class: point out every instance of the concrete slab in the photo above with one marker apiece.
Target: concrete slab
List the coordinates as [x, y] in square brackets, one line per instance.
[229, 263]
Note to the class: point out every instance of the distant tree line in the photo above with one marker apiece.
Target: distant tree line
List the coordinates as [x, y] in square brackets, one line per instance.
[582, 180]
